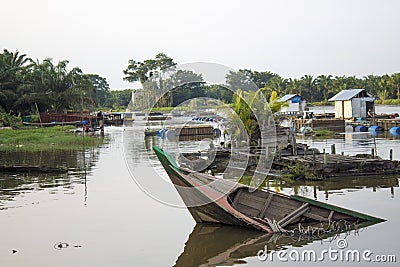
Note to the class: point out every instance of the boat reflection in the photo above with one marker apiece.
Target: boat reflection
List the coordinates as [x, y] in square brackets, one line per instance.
[217, 245]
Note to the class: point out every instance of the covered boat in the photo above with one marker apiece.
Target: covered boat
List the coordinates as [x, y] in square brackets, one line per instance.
[211, 199]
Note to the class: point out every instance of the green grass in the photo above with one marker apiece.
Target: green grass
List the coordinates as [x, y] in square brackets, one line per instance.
[167, 109]
[42, 139]
[323, 133]
[388, 102]
[321, 103]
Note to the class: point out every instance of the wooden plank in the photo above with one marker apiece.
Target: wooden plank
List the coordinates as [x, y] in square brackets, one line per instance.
[236, 200]
[267, 203]
[338, 209]
[315, 217]
[294, 215]
[330, 215]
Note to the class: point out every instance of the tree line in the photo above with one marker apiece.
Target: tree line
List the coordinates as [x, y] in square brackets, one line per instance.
[28, 86]
[315, 89]
[159, 75]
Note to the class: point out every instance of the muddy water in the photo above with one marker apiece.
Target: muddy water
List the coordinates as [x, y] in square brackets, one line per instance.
[103, 211]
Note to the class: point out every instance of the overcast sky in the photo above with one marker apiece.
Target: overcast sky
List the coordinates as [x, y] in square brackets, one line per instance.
[288, 37]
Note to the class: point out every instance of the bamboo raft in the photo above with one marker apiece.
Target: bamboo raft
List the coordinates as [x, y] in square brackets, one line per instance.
[332, 165]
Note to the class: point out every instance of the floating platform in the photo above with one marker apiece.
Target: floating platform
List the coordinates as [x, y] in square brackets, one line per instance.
[384, 124]
[333, 165]
[198, 130]
[336, 125]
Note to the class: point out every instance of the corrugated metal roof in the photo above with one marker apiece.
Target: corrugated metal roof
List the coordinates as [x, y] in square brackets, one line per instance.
[346, 95]
[286, 97]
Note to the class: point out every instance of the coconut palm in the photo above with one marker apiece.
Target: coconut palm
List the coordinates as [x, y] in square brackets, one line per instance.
[54, 87]
[12, 68]
[324, 82]
[293, 86]
[395, 83]
[308, 87]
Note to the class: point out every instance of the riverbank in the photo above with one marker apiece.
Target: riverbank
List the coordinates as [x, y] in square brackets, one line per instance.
[43, 139]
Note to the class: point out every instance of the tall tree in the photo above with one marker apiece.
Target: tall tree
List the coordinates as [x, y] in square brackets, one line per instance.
[395, 82]
[324, 82]
[101, 89]
[240, 80]
[150, 68]
[12, 69]
[278, 84]
[60, 88]
[293, 86]
[308, 87]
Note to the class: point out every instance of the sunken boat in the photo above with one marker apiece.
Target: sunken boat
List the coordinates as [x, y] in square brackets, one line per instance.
[211, 199]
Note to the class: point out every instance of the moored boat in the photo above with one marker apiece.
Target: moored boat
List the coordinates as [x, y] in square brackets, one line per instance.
[216, 200]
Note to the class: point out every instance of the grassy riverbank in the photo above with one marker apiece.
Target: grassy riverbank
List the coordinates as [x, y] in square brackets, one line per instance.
[44, 139]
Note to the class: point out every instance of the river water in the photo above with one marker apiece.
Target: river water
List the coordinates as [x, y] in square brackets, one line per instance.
[110, 210]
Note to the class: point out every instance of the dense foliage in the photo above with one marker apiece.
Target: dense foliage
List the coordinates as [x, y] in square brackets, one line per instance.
[315, 89]
[28, 86]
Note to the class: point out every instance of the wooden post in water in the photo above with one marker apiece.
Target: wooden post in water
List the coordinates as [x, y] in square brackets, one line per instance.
[342, 153]
[391, 154]
[313, 158]
[325, 158]
[373, 152]
[305, 152]
[333, 149]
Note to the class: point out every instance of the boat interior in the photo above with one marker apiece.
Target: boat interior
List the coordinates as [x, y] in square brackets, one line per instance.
[285, 212]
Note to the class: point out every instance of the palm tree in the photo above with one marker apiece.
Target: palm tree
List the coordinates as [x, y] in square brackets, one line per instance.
[383, 84]
[54, 87]
[278, 84]
[294, 86]
[324, 82]
[395, 82]
[12, 67]
[308, 86]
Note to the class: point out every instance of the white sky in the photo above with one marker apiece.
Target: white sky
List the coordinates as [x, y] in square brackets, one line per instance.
[288, 37]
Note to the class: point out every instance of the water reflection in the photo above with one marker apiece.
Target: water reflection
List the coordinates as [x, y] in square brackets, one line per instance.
[217, 245]
[15, 185]
[333, 186]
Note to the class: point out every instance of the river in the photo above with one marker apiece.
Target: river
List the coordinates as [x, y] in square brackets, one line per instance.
[109, 210]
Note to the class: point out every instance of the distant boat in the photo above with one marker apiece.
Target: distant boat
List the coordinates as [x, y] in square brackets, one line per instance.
[128, 117]
[157, 116]
[113, 118]
[217, 200]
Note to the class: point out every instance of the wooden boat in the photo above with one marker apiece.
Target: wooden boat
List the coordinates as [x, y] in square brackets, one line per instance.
[114, 118]
[217, 200]
[157, 116]
[129, 117]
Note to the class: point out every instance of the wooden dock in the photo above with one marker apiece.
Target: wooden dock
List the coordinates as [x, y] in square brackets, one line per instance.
[190, 130]
[331, 165]
[336, 125]
[48, 117]
[186, 131]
